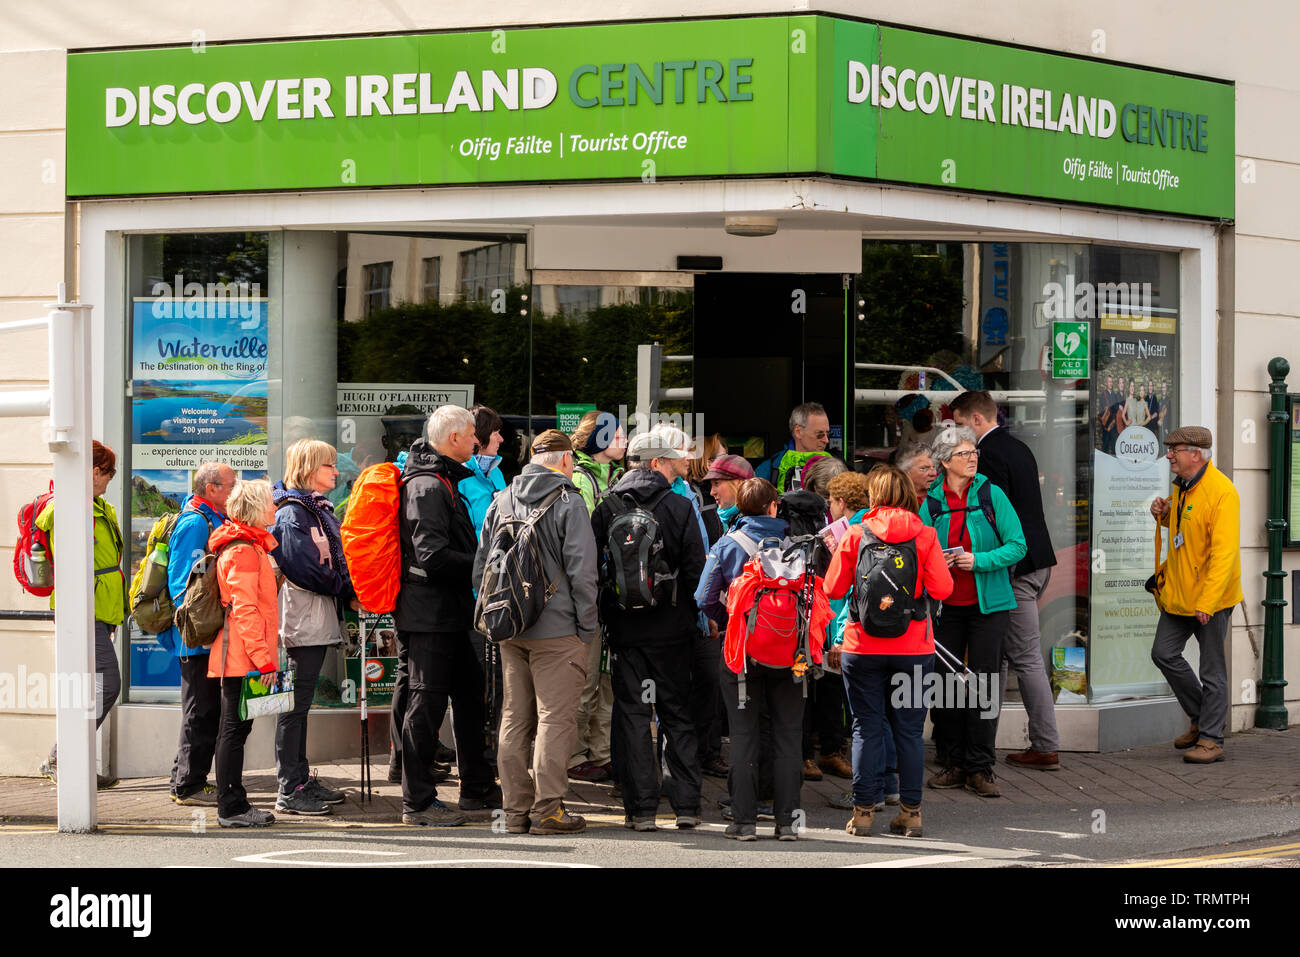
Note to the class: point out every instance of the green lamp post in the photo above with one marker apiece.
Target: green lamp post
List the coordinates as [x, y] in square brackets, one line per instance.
[1271, 710]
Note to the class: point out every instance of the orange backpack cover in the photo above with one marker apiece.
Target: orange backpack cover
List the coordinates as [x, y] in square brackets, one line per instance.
[370, 537]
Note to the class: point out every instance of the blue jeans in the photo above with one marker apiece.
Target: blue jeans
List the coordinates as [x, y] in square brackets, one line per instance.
[869, 687]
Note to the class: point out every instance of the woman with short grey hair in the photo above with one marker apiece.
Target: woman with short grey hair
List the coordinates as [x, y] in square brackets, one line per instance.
[981, 538]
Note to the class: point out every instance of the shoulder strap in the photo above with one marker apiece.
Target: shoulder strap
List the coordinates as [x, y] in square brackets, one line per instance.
[985, 495]
[748, 544]
[653, 504]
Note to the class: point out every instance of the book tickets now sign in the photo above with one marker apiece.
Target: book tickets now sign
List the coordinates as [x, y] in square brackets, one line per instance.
[767, 95]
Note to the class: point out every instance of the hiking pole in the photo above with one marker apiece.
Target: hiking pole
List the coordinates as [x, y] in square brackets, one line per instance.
[952, 661]
[489, 689]
[367, 787]
[803, 657]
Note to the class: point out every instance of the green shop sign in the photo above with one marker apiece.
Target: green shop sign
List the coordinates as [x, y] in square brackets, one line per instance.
[778, 96]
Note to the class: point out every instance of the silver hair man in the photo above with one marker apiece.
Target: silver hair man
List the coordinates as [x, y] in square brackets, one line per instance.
[445, 420]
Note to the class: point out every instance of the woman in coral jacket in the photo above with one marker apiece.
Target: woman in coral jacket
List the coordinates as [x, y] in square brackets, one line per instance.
[246, 579]
[871, 665]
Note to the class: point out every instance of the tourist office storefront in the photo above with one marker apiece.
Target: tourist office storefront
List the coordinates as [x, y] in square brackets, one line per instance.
[712, 219]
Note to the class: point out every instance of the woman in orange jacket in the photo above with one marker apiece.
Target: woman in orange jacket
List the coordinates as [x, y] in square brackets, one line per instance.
[884, 677]
[249, 642]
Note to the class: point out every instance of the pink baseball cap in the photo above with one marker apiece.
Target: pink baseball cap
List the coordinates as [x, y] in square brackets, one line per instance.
[730, 468]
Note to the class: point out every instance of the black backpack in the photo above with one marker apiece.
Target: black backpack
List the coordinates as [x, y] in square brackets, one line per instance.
[636, 568]
[883, 600]
[514, 589]
[804, 510]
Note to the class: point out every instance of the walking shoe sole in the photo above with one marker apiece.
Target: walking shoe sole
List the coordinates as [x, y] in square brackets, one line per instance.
[543, 829]
[741, 837]
[945, 787]
[972, 790]
[285, 809]
[905, 831]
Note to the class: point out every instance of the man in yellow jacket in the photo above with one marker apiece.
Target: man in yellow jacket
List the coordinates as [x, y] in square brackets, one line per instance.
[1201, 584]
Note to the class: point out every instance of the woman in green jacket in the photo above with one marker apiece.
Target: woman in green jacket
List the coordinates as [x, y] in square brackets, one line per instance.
[110, 591]
[982, 541]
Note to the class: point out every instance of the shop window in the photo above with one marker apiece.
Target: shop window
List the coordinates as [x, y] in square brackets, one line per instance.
[487, 268]
[378, 286]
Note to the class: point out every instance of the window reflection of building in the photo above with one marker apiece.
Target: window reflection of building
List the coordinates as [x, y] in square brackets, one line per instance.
[432, 278]
[485, 269]
[376, 292]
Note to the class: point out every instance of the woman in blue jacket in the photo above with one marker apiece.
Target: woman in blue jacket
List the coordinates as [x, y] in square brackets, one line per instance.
[982, 540]
[312, 598]
[480, 487]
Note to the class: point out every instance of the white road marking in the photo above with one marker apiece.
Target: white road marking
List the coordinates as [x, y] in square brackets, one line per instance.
[1065, 835]
[275, 857]
[923, 861]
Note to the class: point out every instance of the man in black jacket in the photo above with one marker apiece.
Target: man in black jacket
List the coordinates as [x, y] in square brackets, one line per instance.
[435, 608]
[1010, 465]
[652, 647]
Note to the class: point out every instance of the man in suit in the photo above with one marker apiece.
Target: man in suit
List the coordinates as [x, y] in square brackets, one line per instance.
[1010, 465]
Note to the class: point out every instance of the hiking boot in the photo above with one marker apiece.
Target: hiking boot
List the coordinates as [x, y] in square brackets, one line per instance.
[1205, 752]
[205, 796]
[436, 814]
[810, 770]
[253, 817]
[842, 802]
[517, 827]
[586, 771]
[1188, 738]
[860, 824]
[947, 778]
[444, 754]
[1037, 760]
[488, 798]
[787, 833]
[301, 802]
[105, 781]
[981, 783]
[320, 792]
[560, 821]
[715, 768]
[640, 823]
[740, 832]
[908, 821]
[836, 765]
[686, 822]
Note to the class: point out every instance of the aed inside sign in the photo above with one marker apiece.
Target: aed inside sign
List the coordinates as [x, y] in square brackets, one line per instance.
[1070, 350]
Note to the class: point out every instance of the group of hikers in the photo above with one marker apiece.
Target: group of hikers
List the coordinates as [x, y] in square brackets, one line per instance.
[636, 599]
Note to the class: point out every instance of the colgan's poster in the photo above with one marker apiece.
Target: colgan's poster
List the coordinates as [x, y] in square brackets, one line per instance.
[1134, 407]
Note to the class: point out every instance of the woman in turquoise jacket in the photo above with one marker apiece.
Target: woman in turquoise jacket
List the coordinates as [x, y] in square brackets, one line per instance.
[485, 479]
[982, 541]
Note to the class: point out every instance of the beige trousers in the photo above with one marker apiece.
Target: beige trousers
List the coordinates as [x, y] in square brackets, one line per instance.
[595, 713]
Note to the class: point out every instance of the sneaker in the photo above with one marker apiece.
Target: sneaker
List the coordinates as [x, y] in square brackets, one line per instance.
[786, 833]
[724, 802]
[860, 824]
[436, 814]
[1205, 752]
[320, 792]
[810, 770]
[908, 821]
[488, 799]
[740, 832]
[517, 827]
[640, 823]
[842, 802]
[586, 771]
[715, 768]
[205, 796]
[394, 773]
[1035, 760]
[105, 781]
[835, 764]
[253, 817]
[444, 754]
[765, 811]
[891, 788]
[981, 783]
[686, 822]
[1188, 738]
[560, 821]
[300, 802]
[947, 778]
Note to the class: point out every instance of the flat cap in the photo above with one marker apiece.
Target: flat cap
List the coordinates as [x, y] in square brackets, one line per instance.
[1193, 435]
[552, 440]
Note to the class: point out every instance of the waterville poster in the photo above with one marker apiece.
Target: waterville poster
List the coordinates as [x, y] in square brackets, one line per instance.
[1134, 404]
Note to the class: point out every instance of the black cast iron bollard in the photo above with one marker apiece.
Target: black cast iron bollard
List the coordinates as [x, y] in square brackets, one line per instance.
[1271, 710]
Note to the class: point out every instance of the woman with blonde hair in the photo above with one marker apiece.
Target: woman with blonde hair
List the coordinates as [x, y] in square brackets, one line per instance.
[874, 658]
[311, 603]
[248, 644]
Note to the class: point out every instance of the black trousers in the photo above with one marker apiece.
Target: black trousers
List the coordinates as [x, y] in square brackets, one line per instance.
[706, 659]
[654, 678]
[200, 719]
[397, 708]
[824, 712]
[292, 767]
[773, 699]
[231, 735]
[488, 657]
[966, 723]
[440, 665]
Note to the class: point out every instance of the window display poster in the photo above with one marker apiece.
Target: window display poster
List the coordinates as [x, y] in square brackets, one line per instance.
[1293, 484]
[199, 387]
[1133, 408]
[379, 420]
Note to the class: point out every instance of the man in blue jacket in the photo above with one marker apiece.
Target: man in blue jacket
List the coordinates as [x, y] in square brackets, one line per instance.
[202, 512]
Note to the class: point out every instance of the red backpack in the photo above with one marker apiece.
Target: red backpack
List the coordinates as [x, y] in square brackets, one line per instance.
[370, 537]
[33, 553]
[777, 612]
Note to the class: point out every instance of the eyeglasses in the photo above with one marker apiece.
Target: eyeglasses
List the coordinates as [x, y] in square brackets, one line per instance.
[1174, 450]
[967, 454]
[823, 434]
